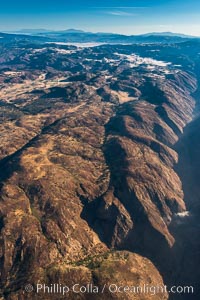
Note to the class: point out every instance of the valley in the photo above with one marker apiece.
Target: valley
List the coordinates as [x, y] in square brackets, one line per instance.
[99, 166]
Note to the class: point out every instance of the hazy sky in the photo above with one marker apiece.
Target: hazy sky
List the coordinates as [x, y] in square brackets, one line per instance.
[127, 16]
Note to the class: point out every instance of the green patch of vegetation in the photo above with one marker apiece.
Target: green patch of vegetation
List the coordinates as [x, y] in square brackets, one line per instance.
[93, 262]
[96, 261]
[36, 214]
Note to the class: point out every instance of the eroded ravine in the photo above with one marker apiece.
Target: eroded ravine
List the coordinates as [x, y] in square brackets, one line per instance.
[100, 177]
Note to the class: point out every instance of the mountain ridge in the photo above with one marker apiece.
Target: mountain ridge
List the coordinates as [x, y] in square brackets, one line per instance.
[79, 36]
[73, 30]
[88, 142]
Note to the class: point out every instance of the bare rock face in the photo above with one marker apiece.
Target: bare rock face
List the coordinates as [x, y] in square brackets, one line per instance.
[142, 175]
[87, 165]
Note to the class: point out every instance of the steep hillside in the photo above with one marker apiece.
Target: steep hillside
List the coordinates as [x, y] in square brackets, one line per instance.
[90, 142]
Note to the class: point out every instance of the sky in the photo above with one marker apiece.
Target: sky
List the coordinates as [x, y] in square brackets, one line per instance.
[119, 16]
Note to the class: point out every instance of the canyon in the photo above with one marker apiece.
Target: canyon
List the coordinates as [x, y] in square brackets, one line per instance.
[99, 167]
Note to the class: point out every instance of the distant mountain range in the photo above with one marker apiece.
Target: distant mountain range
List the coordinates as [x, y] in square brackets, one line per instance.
[45, 31]
[80, 36]
[170, 34]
